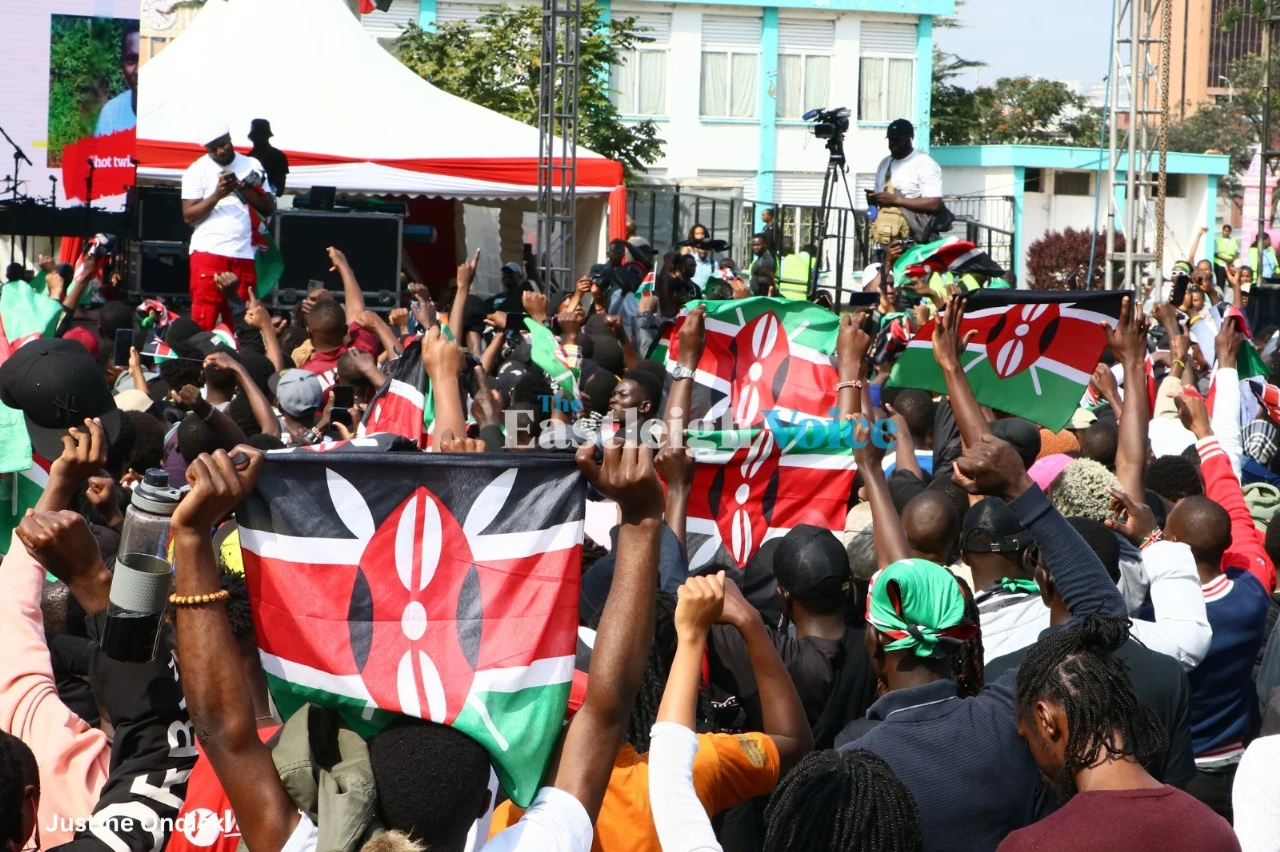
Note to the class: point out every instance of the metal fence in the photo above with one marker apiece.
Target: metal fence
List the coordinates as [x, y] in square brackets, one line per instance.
[664, 216]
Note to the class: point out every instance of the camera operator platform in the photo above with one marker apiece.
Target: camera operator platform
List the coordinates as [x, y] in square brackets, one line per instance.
[225, 196]
[908, 193]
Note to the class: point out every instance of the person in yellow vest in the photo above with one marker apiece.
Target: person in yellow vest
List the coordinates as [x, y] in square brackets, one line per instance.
[1264, 265]
[795, 271]
[1225, 251]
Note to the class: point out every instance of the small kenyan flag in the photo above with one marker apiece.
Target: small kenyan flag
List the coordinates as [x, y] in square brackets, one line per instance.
[1033, 355]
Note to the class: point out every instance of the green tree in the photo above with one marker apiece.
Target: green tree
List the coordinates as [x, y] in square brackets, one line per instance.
[495, 63]
[1012, 111]
[954, 110]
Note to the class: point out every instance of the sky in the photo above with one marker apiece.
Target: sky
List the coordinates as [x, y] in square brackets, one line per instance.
[1059, 41]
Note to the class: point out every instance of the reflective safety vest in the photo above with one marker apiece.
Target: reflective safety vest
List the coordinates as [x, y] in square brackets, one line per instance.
[795, 275]
[1225, 250]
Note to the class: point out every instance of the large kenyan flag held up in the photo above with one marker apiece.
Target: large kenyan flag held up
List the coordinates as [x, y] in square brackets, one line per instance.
[443, 587]
[761, 354]
[767, 366]
[1033, 355]
[751, 485]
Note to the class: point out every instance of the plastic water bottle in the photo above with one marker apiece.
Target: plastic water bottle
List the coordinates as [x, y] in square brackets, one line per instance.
[143, 576]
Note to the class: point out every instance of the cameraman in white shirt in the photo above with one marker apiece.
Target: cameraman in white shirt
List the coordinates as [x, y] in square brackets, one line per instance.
[917, 179]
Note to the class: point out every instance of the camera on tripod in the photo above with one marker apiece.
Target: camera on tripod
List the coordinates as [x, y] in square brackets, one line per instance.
[828, 123]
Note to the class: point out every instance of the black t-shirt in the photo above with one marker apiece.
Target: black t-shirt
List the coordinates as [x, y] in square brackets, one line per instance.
[814, 665]
[1161, 684]
[275, 162]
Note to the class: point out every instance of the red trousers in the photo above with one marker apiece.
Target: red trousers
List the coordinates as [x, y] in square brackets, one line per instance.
[207, 302]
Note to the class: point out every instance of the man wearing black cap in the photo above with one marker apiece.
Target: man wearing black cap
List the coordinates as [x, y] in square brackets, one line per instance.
[827, 662]
[993, 544]
[908, 187]
[272, 159]
[57, 385]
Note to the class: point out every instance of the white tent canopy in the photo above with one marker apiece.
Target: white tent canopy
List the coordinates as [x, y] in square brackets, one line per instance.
[346, 112]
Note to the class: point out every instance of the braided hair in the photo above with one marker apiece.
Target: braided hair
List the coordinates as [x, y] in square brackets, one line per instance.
[968, 660]
[1077, 669]
[842, 801]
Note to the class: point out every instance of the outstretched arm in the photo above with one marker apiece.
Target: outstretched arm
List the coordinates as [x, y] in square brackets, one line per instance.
[886, 526]
[218, 696]
[352, 295]
[948, 346]
[1129, 345]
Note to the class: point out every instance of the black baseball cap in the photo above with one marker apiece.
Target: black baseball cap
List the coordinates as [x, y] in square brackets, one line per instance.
[900, 129]
[812, 564]
[56, 384]
[1022, 435]
[990, 526]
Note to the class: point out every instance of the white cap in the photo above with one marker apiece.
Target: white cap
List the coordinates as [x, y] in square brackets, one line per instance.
[870, 272]
[212, 130]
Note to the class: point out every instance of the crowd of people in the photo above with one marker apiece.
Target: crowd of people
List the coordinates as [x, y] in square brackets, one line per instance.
[1021, 640]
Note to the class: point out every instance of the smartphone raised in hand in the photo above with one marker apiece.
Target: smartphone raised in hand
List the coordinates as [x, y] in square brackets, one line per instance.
[123, 343]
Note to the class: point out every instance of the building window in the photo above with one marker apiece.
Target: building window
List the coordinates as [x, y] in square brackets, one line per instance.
[1073, 183]
[886, 72]
[730, 85]
[638, 86]
[1033, 180]
[1175, 185]
[804, 65]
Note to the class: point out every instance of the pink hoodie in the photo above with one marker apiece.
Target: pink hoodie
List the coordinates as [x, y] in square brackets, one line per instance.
[74, 758]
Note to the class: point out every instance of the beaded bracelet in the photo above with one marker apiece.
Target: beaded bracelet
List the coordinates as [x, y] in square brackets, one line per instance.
[1178, 362]
[856, 384]
[198, 600]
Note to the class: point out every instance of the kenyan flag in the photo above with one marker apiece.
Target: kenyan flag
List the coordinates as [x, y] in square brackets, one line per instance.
[19, 492]
[751, 485]
[762, 354]
[950, 255]
[442, 587]
[403, 406]
[1033, 356]
[646, 286]
[551, 357]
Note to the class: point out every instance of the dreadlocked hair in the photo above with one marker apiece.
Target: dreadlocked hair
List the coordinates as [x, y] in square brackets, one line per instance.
[842, 801]
[968, 661]
[1077, 669]
[644, 712]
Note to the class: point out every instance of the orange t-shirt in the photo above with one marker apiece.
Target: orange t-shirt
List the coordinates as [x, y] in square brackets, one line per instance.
[728, 769]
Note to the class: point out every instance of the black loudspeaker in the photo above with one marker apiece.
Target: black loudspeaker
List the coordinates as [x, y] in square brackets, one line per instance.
[161, 269]
[160, 215]
[371, 242]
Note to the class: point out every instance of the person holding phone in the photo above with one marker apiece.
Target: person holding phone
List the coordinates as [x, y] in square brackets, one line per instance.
[224, 195]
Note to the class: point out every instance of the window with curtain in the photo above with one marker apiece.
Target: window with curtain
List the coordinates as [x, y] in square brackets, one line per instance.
[805, 47]
[886, 71]
[885, 88]
[803, 84]
[638, 86]
[729, 84]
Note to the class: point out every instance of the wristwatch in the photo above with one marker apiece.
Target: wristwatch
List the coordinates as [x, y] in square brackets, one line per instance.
[679, 371]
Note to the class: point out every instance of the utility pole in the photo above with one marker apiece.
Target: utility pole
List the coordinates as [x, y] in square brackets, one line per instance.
[558, 141]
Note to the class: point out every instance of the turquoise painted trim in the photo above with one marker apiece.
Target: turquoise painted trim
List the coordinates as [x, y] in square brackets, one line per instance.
[708, 120]
[656, 119]
[1065, 158]
[924, 80]
[1019, 251]
[426, 14]
[900, 7]
[768, 111]
[606, 10]
[1211, 210]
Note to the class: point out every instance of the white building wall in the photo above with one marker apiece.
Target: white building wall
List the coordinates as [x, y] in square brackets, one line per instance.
[697, 147]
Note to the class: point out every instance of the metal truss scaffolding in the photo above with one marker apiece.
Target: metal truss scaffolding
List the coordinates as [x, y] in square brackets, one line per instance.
[558, 141]
[1138, 145]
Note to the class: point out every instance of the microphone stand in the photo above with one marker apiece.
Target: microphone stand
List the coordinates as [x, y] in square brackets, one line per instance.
[18, 156]
[88, 196]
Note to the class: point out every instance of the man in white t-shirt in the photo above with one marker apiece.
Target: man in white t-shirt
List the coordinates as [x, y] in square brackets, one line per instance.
[916, 178]
[224, 193]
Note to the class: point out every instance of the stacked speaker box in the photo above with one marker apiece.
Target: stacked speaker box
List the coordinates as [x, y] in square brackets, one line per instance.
[371, 242]
[161, 269]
